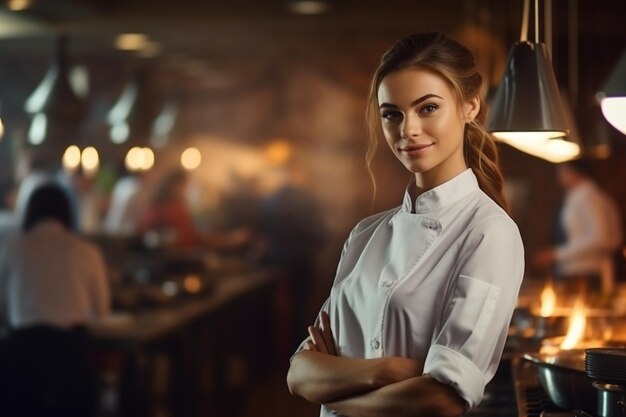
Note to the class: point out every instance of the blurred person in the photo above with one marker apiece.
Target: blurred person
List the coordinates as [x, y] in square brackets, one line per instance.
[169, 215]
[589, 232]
[52, 283]
[293, 231]
[128, 200]
[85, 198]
[418, 314]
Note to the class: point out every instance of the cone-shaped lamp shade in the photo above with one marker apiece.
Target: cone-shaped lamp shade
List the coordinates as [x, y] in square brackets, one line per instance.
[527, 102]
[131, 117]
[56, 109]
[613, 97]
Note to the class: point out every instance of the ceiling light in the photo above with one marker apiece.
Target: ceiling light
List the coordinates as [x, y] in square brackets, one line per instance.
[191, 158]
[132, 115]
[527, 105]
[71, 158]
[527, 101]
[131, 41]
[309, 7]
[19, 5]
[56, 109]
[613, 97]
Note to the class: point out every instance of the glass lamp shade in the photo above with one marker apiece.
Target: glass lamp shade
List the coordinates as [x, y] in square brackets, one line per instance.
[613, 97]
[527, 103]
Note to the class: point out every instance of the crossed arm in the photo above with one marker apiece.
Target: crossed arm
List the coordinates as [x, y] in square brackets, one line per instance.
[366, 387]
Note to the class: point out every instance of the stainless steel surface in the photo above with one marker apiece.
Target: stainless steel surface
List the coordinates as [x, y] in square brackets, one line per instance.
[611, 400]
[562, 376]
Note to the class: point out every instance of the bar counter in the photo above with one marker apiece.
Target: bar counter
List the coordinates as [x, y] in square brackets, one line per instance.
[194, 357]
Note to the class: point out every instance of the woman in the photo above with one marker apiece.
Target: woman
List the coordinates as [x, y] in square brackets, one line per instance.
[418, 314]
[52, 282]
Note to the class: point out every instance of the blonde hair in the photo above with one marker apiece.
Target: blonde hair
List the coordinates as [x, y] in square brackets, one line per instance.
[455, 64]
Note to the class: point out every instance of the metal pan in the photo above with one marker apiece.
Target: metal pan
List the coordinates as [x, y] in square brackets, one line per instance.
[563, 377]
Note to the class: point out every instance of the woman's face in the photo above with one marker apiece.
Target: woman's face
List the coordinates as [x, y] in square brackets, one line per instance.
[422, 124]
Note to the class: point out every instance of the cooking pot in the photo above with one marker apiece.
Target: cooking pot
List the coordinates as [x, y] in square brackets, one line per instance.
[562, 376]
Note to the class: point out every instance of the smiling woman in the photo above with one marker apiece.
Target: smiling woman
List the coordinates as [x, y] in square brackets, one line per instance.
[425, 133]
[417, 317]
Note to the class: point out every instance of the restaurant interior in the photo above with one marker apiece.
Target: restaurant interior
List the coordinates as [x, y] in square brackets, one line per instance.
[256, 109]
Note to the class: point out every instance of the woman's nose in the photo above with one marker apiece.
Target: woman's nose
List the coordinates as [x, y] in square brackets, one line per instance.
[411, 127]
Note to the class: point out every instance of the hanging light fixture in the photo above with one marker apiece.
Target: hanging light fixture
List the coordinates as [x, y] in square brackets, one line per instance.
[131, 117]
[527, 111]
[57, 111]
[613, 97]
[164, 123]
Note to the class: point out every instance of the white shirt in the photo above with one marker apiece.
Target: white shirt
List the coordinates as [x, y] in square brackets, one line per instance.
[439, 285]
[51, 276]
[593, 228]
[123, 215]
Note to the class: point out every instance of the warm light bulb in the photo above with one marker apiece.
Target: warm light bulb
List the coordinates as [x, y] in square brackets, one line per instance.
[1, 128]
[131, 41]
[278, 152]
[90, 159]
[147, 158]
[614, 111]
[71, 158]
[19, 5]
[139, 159]
[133, 159]
[308, 7]
[191, 158]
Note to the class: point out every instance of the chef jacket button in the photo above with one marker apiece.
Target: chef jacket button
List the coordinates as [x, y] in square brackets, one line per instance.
[375, 344]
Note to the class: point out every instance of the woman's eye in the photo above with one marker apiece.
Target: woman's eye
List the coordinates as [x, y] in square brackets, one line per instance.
[429, 108]
[391, 115]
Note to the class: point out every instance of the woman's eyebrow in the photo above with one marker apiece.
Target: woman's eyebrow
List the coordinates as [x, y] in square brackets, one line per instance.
[413, 103]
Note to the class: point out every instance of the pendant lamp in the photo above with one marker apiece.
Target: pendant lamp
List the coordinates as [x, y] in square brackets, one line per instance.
[132, 116]
[527, 112]
[164, 123]
[613, 97]
[57, 111]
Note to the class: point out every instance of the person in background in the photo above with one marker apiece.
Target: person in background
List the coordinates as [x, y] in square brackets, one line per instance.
[168, 214]
[52, 283]
[590, 226]
[293, 231]
[419, 312]
[126, 205]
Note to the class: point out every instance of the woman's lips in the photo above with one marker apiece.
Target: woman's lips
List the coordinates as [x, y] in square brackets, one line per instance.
[415, 150]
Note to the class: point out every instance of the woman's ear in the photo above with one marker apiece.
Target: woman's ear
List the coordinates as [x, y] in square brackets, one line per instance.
[471, 108]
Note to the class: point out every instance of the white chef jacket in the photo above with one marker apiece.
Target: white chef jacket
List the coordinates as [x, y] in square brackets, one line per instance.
[52, 276]
[439, 285]
[593, 228]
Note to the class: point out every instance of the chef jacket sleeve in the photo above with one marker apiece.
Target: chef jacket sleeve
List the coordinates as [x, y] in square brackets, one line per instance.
[478, 306]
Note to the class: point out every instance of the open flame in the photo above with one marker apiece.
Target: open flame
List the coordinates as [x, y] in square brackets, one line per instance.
[548, 300]
[576, 329]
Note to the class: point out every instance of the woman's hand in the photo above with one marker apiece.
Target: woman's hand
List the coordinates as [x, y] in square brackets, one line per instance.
[321, 339]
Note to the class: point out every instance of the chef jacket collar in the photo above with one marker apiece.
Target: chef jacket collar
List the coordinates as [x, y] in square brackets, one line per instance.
[442, 195]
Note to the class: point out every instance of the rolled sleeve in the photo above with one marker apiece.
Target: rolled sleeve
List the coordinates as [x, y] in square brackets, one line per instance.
[451, 368]
[468, 343]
